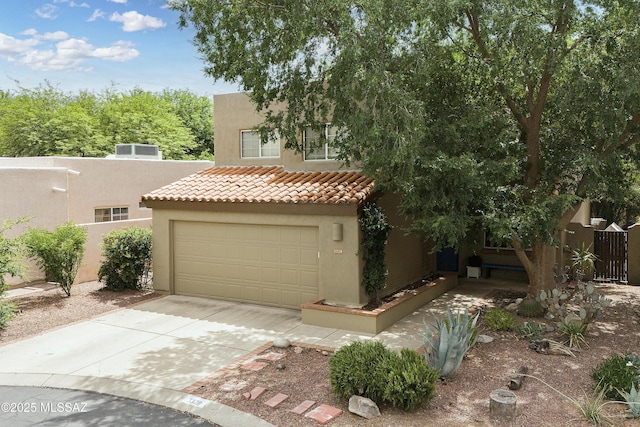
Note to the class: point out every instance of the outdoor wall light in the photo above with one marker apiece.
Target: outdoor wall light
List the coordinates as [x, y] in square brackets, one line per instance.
[59, 190]
[337, 232]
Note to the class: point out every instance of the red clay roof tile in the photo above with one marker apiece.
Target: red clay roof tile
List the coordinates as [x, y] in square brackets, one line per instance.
[271, 184]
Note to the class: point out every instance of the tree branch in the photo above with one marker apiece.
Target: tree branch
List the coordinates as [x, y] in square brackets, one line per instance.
[474, 29]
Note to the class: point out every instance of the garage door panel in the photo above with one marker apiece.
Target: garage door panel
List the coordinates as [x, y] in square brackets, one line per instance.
[273, 265]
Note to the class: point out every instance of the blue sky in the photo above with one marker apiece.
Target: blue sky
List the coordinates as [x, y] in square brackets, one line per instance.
[94, 44]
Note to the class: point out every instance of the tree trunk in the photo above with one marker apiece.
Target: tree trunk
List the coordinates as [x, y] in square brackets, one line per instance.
[538, 263]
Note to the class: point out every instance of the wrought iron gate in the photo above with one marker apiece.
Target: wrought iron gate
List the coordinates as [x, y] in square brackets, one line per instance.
[611, 249]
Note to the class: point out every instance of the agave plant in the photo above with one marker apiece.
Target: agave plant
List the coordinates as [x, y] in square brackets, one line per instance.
[632, 399]
[453, 337]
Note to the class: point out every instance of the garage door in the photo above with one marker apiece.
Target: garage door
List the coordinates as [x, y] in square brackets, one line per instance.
[262, 264]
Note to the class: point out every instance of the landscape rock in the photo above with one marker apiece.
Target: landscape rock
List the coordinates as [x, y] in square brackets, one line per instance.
[512, 307]
[364, 407]
[281, 343]
[484, 339]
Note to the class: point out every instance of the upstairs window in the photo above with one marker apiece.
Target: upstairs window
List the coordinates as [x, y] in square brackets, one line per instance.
[313, 150]
[251, 145]
[111, 214]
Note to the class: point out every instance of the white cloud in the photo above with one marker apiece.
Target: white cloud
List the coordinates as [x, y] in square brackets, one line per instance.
[10, 46]
[66, 54]
[56, 35]
[119, 1]
[95, 15]
[47, 11]
[134, 21]
[72, 3]
[119, 51]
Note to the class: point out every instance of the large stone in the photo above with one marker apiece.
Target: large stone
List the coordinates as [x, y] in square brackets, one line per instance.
[364, 407]
[484, 339]
[281, 343]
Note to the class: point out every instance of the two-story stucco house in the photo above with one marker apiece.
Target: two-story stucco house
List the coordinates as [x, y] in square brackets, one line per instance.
[271, 226]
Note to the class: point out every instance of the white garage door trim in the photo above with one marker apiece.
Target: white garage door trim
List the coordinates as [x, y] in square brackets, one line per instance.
[263, 264]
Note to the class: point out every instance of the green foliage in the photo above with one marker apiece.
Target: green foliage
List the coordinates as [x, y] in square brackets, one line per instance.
[10, 254]
[375, 230]
[530, 330]
[500, 115]
[10, 264]
[410, 382]
[573, 331]
[500, 320]
[372, 370]
[360, 368]
[7, 311]
[127, 259]
[615, 374]
[46, 121]
[445, 348]
[582, 259]
[530, 307]
[140, 117]
[58, 253]
[632, 399]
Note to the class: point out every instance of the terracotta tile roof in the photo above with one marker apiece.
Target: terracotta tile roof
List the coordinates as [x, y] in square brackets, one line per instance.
[272, 184]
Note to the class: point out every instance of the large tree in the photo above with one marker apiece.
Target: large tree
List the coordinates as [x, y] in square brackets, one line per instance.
[46, 121]
[503, 115]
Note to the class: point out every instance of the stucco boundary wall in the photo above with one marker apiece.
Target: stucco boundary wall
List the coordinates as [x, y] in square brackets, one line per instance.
[585, 233]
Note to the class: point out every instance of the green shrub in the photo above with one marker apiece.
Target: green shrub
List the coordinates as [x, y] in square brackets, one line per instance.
[372, 370]
[500, 320]
[573, 331]
[445, 348]
[7, 310]
[615, 374]
[410, 381]
[127, 259]
[531, 330]
[360, 368]
[375, 230]
[58, 253]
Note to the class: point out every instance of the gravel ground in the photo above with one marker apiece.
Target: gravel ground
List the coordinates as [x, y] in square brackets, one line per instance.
[462, 400]
[42, 311]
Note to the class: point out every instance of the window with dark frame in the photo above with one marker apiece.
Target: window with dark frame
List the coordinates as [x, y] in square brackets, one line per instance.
[111, 214]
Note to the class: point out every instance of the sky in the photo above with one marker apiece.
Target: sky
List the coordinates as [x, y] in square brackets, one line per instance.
[98, 44]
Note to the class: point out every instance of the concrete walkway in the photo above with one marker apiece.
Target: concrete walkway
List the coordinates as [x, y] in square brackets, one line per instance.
[153, 351]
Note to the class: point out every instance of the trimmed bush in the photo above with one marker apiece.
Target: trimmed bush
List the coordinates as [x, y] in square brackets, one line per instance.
[616, 374]
[127, 259]
[372, 370]
[411, 381]
[359, 368]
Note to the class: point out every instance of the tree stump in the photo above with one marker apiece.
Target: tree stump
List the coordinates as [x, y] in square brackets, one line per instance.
[502, 406]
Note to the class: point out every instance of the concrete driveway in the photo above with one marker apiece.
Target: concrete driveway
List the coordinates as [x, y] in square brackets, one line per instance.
[151, 352]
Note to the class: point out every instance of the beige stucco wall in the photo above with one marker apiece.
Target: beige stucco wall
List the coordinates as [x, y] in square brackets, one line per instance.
[406, 255]
[234, 112]
[339, 262]
[53, 190]
[93, 252]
